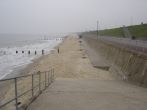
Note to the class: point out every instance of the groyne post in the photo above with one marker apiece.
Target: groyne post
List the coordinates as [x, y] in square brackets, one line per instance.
[42, 52]
[35, 52]
[29, 52]
[58, 50]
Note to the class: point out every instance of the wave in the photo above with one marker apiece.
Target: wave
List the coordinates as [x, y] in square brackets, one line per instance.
[9, 59]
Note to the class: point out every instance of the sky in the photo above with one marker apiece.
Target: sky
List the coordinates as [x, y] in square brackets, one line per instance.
[63, 16]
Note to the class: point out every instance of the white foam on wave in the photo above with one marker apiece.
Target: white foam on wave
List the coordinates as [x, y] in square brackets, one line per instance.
[9, 60]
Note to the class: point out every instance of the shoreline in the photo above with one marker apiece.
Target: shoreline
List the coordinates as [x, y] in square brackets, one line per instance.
[27, 68]
[71, 62]
[13, 63]
[54, 60]
[20, 71]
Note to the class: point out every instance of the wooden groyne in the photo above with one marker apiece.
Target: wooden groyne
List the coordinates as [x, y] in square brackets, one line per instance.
[29, 52]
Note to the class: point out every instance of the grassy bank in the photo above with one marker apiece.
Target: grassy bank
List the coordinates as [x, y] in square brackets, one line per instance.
[140, 31]
[109, 32]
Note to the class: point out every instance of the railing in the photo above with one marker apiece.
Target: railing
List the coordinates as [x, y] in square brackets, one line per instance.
[18, 87]
[135, 45]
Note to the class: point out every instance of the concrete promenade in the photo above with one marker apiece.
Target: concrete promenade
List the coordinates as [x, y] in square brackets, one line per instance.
[86, 87]
[91, 94]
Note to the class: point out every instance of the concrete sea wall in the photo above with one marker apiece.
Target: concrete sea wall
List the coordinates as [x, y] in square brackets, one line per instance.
[125, 64]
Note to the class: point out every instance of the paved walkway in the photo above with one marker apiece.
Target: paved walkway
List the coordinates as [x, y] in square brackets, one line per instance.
[91, 89]
[91, 94]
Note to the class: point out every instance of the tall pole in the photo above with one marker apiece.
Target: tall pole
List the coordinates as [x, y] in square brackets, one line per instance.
[97, 29]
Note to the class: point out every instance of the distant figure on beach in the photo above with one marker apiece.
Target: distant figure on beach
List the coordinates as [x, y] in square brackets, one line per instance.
[16, 51]
[42, 52]
[29, 52]
[58, 50]
[35, 52]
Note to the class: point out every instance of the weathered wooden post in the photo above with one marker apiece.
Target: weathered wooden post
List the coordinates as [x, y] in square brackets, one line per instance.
[29, 52]
[42, 52]
[58, 50]
[35, 52]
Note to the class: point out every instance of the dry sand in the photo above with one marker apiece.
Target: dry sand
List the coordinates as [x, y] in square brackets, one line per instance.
[80, 86]
[70, 62]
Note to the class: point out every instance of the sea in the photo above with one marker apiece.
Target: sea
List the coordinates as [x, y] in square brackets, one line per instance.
[22, 43]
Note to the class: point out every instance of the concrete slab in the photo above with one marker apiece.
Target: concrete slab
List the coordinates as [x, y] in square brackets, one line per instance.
[91, 94]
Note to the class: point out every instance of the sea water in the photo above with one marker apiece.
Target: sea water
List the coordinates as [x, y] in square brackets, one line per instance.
[10, 60]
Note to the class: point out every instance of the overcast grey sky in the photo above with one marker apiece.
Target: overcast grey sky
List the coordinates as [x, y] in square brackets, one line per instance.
[59, 16]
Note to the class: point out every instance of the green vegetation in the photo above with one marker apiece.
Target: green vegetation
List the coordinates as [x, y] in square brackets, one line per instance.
[118, 32]
[135, 30]
[138, 30]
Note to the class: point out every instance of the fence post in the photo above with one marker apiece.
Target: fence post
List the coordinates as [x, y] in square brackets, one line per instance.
[51, 76]
[45, 79]
[48, 78]
[32, 85]
[39, 81]
[16, 98]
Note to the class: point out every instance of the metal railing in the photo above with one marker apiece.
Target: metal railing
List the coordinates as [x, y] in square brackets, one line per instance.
[133, 45]
[38, 82]
[136, 45]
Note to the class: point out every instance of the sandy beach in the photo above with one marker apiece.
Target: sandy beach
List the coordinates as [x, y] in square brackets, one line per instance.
[76, 79]
[70, 62]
